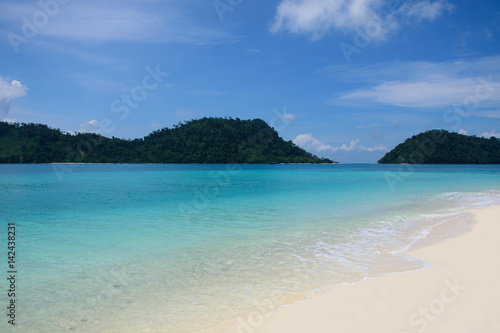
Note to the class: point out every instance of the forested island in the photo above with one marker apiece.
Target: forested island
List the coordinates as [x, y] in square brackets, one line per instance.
[443, 147]
[207, 140]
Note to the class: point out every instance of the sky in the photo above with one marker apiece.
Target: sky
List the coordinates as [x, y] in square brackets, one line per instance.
[344, 79]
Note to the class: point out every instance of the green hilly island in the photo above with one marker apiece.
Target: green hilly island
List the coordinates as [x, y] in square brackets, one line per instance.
[207, 140]
[443, 147]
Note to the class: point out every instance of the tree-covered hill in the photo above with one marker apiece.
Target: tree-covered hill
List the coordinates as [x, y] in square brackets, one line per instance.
[443, 147]
[207, 140]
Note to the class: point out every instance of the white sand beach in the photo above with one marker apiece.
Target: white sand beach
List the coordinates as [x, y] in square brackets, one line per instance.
[459, 292]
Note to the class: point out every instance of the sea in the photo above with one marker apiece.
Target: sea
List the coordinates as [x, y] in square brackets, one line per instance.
[196, 248]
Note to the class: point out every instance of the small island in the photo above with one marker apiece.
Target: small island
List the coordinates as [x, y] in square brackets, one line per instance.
[443, 147]
[206, 140]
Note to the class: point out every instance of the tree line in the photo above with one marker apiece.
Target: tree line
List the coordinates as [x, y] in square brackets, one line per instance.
[443, 147]
[206, 140]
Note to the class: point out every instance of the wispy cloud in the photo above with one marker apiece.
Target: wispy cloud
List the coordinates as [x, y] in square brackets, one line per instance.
[374, 125]
[413, 70]
[183, 115]
[287, 117]
[124, 21]
[252, 50]
[426, 10]
[315, 18]
[433, 93]
[425, 84]
[99, 59]
[97, 83]
[8, 92]
[487, 114]
[209, 92]
[489, 35]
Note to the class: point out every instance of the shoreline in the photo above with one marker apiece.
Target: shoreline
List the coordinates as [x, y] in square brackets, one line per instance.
[454, 293]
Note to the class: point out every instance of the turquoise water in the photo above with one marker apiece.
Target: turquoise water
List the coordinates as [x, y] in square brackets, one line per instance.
[188, 248]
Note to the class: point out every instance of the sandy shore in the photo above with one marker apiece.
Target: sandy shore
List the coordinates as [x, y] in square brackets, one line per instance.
[459, 292]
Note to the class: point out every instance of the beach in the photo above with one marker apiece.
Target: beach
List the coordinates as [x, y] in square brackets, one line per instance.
[457, 292]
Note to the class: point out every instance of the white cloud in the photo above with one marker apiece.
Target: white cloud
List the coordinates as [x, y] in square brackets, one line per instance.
[9, 120]
[8, 92]
[462, 131]
[316, 18]
[491, 134]
[350, 147]
[308, 142]
[91, 126]
[427, 85]
[12, 90]
[376, 148]
[353, 145]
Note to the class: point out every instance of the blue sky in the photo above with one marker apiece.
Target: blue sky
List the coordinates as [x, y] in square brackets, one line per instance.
[345, 79]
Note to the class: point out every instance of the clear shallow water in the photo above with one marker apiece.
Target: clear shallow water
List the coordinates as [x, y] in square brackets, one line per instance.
[186, 248]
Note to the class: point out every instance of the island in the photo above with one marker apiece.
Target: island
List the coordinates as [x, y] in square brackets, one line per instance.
[206, 140]
[443, 147]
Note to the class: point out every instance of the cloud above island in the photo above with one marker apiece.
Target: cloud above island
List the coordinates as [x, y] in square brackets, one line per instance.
[8, 92]
[91, 126]
[310, 143]
[491, 134]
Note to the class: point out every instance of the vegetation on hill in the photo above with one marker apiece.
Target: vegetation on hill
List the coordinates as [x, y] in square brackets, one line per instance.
[443, 147]
[207, 140]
